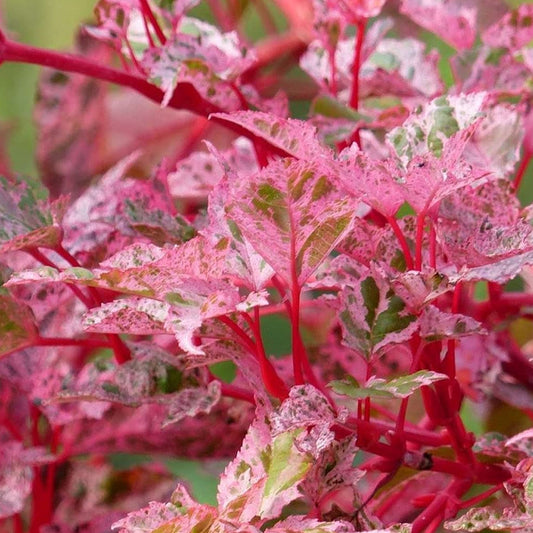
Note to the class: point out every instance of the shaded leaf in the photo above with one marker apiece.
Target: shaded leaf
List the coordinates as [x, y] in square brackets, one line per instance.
[17, 325]
[27, 222]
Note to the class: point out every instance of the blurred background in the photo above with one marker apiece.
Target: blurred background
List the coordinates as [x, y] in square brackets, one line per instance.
[43, 23]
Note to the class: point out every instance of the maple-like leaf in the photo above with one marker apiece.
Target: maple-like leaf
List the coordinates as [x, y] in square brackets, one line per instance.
[191, 402]
[293, 215]
[400, 67]
[139, 316]
[484, 226]
[435, 324]
[495, 142]
[303, 524]
[483, 518]
[119, 22]
[377, 183]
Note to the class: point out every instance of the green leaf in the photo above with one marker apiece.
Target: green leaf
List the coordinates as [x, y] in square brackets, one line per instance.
[401, 387]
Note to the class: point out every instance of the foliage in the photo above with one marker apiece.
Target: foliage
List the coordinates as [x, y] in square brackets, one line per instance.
[194, 216]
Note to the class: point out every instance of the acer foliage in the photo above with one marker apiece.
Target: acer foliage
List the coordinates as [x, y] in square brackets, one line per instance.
[284, 246]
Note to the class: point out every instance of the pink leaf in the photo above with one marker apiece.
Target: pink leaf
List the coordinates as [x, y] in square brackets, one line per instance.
[437, 325]
[453, 21]
[292, 137]
[203, 56]
[191, 402]
[69, 114]
[139, 316]
[378, 183]
[481, 228]
[264, 476]
[148, 519]
[293, 215]
[16, 475]
[513, 31]
[302, 524]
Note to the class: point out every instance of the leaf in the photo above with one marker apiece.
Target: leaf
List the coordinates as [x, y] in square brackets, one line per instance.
[372, 316]
[378, 183]
[70, 118]
[306, 408]
[200, 54]
[16, 474]
[401, 67]
[480, 518]
[17, 325]
[293, 137]
[138, 316]
[27, 222]
[437, 325]
[453, 21]
[241, 258]
[401, 387]
[191, 402]
[293, 215]
[429, 129]
[264, 476]
[148, 519]
[302, 524]
[484, 226]
[513, 31]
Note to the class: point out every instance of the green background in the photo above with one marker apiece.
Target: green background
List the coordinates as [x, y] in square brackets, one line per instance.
[43, 23]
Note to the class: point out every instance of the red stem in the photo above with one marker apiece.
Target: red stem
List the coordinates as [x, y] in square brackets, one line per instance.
[36, 254]
[420, 221]
[402, 240]
[184, 97]
[432, 246]
[466, 504]
[238, 393]
[440, 506]
[17, 523]
[148, 13]
[60, 341]
[356, 65]
[273, 382]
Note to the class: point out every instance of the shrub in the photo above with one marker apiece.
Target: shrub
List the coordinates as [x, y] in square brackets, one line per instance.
[326, 305]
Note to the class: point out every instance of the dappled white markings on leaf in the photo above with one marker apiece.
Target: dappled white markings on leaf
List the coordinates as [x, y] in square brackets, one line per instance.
[293, 214]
